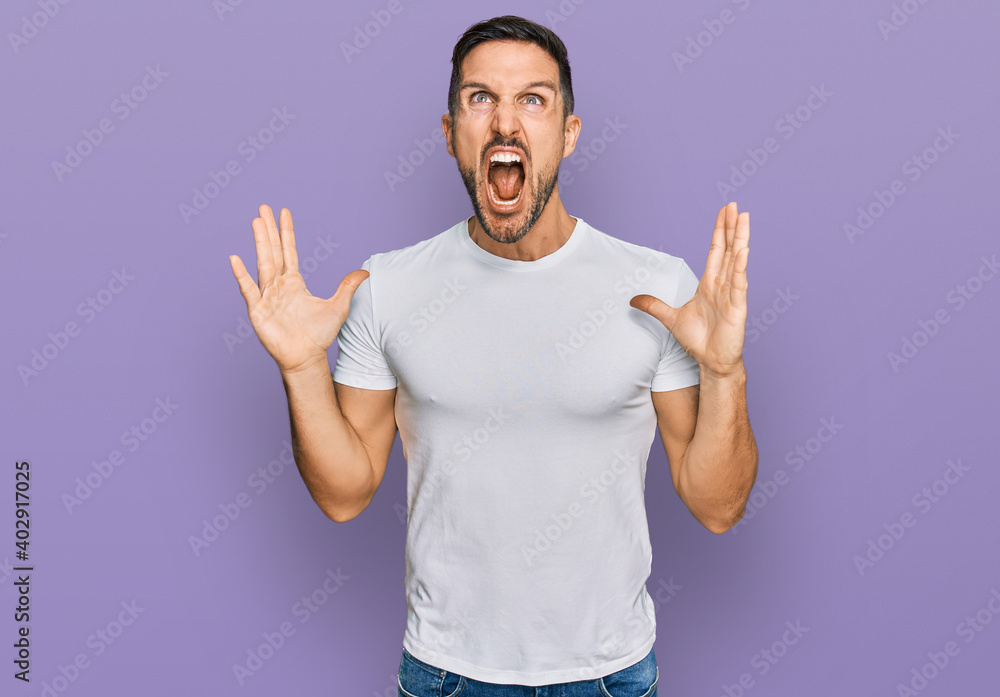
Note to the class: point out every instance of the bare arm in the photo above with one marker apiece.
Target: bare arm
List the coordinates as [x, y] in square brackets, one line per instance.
[341, 436]
[713, 456]
[705, 428]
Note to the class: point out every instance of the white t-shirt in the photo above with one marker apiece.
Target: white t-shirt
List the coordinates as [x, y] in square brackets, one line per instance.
[524, 409]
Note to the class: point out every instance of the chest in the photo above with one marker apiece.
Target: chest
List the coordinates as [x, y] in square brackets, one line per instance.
[574, 347]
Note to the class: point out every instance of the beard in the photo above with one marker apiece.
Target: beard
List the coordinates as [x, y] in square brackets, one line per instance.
[511, 227]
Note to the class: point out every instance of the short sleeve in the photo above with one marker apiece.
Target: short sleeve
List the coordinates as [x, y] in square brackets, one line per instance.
[677, 368]
[360, 360]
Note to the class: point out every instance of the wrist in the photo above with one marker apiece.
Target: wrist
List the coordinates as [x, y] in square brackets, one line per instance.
[318, 366]
[731, 373]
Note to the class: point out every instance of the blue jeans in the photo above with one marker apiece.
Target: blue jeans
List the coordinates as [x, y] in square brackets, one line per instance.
[420, 679]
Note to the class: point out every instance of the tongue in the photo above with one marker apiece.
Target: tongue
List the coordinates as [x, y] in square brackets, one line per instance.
[508, 180]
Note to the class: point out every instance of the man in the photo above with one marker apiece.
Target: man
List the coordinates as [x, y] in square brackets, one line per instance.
[526, 376]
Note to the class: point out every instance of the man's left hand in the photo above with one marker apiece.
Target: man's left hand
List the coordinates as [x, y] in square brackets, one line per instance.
[710, 326]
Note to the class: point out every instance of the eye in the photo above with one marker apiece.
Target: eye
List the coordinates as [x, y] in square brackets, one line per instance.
[479, 94]
[535, 97]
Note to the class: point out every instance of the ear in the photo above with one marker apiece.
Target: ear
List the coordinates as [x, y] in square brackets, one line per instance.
[446, 127]
[571, 133]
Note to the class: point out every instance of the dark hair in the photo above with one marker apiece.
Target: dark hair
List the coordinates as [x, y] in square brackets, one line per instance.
[511, 28]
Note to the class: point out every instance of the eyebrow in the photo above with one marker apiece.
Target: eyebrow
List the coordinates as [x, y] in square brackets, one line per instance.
[537, 83]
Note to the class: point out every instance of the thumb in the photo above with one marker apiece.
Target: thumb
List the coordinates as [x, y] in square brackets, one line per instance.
[346, 289]
[249, 289]
[655, 307]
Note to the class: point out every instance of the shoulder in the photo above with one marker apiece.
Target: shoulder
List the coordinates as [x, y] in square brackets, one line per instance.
[635, 256]
[415, 256]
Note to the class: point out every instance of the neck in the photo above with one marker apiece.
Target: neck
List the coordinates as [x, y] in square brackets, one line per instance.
[550, 232]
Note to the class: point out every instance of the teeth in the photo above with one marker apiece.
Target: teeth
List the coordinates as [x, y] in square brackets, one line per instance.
[505, 157]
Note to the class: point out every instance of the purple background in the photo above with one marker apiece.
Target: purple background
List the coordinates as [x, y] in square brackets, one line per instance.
[174, 331]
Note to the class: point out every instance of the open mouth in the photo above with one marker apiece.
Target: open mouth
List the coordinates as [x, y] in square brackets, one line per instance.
[505, 181]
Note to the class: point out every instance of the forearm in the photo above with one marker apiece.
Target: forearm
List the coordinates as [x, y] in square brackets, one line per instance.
[719, 467]
[330, 457]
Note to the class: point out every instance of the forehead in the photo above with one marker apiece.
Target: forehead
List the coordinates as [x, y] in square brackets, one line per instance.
[509, 64]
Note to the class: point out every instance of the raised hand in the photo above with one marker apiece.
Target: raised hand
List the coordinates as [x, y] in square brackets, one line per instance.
[710, 326]
[294, 326]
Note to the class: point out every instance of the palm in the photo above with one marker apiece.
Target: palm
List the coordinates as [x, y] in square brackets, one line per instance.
[294, 326]
[710, 326]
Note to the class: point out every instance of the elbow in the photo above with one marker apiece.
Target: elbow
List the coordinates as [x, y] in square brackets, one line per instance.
[341, 513]
[724, 522]
[717, 528]
[338, 516]
[339, 505]
[334, 513]
[717, 515]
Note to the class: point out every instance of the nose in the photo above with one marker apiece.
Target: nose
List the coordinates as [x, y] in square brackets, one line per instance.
[505, 120]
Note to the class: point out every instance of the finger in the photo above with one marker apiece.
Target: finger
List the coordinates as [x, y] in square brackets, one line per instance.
[265, 259]
[732, 215]
[249, 289]
[741, 240]
[727, 258]
[274, 239]
[717, 251]
[655, 307]
[350, 283]
[737, 274]
[291, 256]
[340, 301]
[738, 288]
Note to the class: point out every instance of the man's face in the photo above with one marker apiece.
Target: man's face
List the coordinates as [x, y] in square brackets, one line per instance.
[509, 108]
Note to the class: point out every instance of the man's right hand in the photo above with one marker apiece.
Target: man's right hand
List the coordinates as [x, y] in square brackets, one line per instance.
[295, 327]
